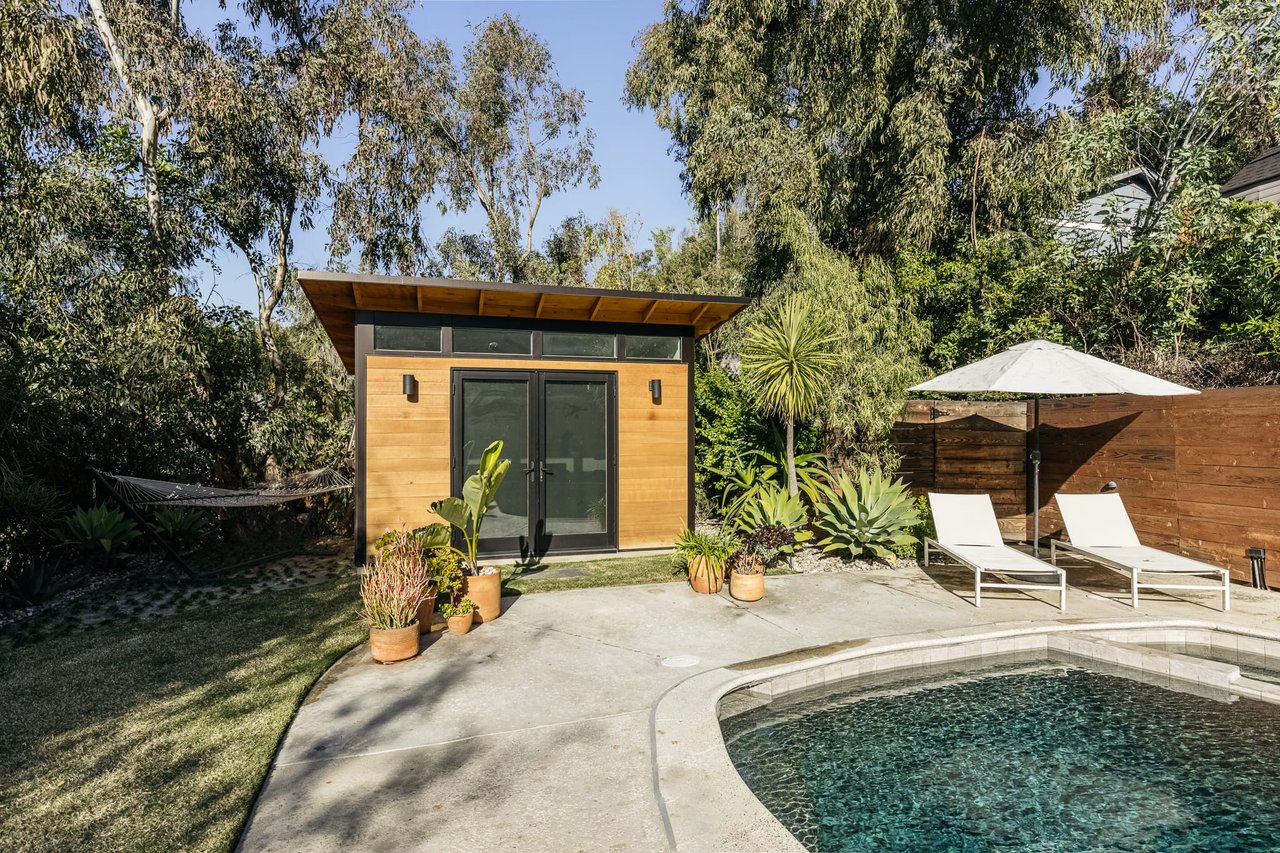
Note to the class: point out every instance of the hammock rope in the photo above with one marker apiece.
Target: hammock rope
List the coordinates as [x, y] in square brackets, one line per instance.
[140, 491]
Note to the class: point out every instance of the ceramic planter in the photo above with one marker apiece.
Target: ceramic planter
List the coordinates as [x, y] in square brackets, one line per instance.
[485, 592]
[746, 587]
[460, 624]
[388, 645]
[704, 576]
[427, 613]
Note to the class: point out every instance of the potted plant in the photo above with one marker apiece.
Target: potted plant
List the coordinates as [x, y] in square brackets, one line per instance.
[704, 556]
[481, 584]
[459, 616]
[391, 591]
[444, 569]
[759, 549]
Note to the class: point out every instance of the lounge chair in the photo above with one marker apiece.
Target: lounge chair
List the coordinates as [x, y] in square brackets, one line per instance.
[1100, 530]
[969, 533]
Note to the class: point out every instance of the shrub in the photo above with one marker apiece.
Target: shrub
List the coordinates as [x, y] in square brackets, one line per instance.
[872, 517]
[179, 525]
[714, 547]
[922, 529]
[30, 577]
[100, 531]
[772, 507]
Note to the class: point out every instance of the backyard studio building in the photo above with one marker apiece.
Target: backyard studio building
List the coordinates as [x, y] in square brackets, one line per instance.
[590, 390]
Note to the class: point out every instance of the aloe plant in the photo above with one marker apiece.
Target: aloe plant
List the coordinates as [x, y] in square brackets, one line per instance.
[467, 512]
[873, 516]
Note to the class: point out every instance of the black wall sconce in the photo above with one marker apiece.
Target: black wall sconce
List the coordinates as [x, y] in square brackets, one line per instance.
[655, 390]
[410, 386]
[1258, 560]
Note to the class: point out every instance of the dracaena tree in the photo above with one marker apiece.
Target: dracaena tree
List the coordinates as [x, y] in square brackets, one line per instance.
[786, 362]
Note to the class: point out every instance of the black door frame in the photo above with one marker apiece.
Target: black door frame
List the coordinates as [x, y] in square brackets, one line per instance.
[535, 543]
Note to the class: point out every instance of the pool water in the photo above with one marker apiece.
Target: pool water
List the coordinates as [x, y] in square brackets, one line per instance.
[1034, 756]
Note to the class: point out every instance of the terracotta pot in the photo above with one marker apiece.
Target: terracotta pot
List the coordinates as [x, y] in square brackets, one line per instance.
[388, 645]
[746, 587]
[427, 614]
[703, 577]
[485, 592]
[460, 624]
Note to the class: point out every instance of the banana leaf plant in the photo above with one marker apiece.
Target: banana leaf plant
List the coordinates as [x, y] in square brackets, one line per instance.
[467, 512]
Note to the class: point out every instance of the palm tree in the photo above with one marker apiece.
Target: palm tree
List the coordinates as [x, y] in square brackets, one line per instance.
[785, 362]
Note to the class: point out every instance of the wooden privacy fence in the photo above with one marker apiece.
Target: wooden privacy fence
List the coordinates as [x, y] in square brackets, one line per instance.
[1199, 474]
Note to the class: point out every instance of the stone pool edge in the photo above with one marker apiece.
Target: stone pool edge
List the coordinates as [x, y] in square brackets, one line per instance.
[704, 803]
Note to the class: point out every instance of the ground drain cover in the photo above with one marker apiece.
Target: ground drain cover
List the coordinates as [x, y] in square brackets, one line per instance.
[680, 660]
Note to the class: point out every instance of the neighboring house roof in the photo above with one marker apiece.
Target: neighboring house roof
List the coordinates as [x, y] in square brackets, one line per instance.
[1263, 169]
[1104, 216]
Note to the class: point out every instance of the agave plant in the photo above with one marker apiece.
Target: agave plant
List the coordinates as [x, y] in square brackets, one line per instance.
[100, 530]
[773, 506]
[872, 516]
[179, 524]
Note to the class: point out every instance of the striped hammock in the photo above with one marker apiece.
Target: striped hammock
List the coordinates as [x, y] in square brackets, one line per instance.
[139, 491]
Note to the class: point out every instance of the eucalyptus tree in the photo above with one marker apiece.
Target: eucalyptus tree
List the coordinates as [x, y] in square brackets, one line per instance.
[495, 128]
[787, 359]
[881, 121]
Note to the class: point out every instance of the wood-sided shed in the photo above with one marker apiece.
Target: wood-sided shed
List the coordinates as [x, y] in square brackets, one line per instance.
[590, 390]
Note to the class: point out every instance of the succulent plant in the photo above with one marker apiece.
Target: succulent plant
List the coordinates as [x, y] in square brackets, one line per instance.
[872, 517]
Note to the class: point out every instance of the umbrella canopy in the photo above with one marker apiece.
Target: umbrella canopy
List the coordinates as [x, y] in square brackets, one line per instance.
[1046, 369]
[1040, 369]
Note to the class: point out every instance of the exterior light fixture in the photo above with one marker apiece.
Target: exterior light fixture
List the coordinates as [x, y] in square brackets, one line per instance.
[655, 390]
[410, 385]
[1110, 486]
[1258, 559]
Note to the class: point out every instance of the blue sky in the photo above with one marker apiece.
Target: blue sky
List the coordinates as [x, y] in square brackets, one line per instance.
[591, 41]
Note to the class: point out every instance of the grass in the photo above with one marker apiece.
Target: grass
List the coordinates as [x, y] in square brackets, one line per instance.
[156, 735]
[616, 571]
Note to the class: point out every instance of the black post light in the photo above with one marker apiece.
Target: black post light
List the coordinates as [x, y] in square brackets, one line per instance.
[1258, 559]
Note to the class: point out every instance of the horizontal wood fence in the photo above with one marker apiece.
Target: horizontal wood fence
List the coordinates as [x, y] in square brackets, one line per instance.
[1199, 474]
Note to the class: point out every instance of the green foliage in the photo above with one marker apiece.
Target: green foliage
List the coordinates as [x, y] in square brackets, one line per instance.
[100, 531]
[872, 517]
[713, 547]
[444, 568]
[32, 576]
[923, 529]
[886, 123]
[726, 427]
[771, 507]
[179, 525]
[467, 513]
[449, 610]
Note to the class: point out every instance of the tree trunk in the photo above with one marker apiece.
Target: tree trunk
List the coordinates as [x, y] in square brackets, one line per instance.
[792, 485]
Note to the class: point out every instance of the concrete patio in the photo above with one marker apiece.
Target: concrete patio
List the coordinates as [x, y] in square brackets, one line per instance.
[535, 732]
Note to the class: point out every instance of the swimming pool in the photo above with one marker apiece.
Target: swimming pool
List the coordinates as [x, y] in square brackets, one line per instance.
[1021, 755]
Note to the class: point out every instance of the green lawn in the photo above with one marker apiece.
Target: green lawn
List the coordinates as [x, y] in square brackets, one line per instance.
[156, 735]
[615, 571]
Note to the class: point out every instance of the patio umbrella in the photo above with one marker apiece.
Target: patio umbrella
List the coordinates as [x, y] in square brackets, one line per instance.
[1044, 369]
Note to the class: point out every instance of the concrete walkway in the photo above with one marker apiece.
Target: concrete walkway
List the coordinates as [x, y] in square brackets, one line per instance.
[534, 732]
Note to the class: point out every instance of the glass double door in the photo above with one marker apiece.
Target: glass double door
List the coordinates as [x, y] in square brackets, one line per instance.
[558, 429]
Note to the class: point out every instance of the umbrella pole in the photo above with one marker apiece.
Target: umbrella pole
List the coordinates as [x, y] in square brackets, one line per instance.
[1035, 481]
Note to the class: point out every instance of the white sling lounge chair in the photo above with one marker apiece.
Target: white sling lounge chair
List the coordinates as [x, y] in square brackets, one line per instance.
[969, 533]
[1100, 531]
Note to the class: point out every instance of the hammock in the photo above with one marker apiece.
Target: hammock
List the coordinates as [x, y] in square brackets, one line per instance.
[139, 491]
